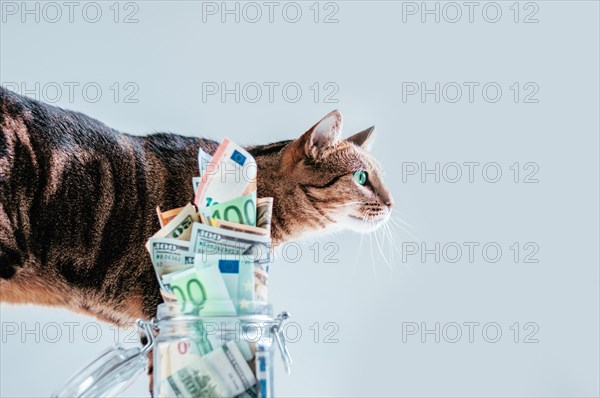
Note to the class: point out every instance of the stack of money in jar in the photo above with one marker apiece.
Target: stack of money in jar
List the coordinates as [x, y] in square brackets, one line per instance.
[214, 254]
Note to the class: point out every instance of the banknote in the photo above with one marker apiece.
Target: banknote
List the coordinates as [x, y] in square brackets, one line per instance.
[211, 240]
[164, 366]
[204, 286]
[240, 210]
[230, 174]
[262, 375]
[203, 161]
[238, 275]
[196, 182]
[261, 290]
[165, 217]
[239, 227]
[180, 226]
[169, 255]
[264, 211]
[220, 373]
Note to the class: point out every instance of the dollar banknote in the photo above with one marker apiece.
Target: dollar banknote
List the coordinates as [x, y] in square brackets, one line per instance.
[169, 255]
[211, 240]
[180, 227]
[264, 211]
[204, 286]
[220, 373]
[230, 174]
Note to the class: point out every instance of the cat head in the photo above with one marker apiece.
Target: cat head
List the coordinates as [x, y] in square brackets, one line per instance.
[340, 180]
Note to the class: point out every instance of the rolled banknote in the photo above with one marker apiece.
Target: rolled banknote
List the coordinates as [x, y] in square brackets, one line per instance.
[230, 174]
[180, 226]
[264, 211]
[262, 376]
[240, 210]
[203, 286]
[212, 240]
[215, 222]
[164, 365]
[221, 373]
[166, 216]
[169, 255]
[261, 278]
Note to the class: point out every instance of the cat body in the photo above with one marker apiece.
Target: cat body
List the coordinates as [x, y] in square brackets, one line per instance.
[78, 199]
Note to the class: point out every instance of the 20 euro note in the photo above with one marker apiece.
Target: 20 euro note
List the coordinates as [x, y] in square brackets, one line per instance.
[230, 174]
[221, 373]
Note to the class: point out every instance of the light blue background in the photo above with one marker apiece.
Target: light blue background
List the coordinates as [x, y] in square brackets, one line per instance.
[368, 54]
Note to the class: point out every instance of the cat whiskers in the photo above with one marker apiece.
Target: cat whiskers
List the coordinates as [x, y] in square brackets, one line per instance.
[395, 242]
[379, 247]
[371, 245]
[362, 236]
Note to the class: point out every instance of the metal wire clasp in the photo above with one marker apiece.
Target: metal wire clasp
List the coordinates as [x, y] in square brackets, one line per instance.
[147, 328]
[279, 337]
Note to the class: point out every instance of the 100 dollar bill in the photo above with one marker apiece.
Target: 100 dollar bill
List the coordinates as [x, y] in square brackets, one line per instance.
[169, 255]
[212, 240]
[221, 373]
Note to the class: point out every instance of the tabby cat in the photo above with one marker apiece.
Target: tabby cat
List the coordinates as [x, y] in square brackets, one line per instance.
[77, 201]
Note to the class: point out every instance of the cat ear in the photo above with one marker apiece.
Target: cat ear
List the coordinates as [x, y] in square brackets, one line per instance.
[317, 140]
[323, 135]
[364, 139]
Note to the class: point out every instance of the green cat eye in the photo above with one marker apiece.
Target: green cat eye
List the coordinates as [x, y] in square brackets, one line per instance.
[360, 177]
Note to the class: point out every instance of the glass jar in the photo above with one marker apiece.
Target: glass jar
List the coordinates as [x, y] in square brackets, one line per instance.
[193, 356]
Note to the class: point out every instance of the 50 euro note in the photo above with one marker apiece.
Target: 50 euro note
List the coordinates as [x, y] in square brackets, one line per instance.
[230, 174]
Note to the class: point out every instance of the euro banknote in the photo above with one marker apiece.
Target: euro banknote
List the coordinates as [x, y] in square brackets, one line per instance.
[204, 286]
[230, 174]
[240, 210]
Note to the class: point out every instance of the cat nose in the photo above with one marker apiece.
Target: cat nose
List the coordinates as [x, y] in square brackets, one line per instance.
[389, 203]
